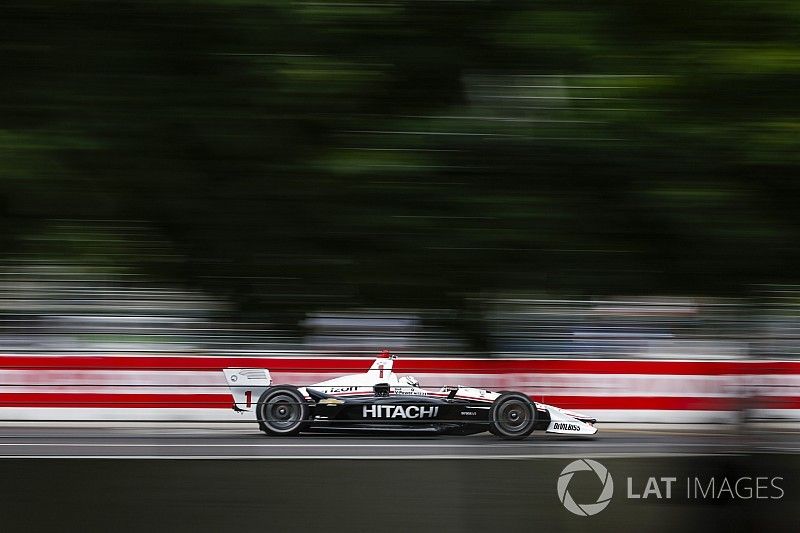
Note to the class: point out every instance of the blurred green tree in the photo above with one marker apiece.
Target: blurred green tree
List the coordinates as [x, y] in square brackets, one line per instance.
[308, 154]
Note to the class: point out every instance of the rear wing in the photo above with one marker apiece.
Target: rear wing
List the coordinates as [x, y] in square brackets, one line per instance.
[247, 385]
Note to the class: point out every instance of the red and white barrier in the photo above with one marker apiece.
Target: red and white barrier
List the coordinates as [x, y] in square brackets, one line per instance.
[47, 387]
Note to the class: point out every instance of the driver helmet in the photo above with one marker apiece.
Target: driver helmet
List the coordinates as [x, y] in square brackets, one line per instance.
[410, 381]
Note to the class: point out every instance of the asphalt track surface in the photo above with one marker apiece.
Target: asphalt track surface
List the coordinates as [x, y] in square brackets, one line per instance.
[243, 441]
[145, 478]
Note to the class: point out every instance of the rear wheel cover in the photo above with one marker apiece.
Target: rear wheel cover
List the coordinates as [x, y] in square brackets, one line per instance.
[282, 411]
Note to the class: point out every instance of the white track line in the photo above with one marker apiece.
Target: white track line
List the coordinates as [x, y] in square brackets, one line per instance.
[374, 457]
[347, 445]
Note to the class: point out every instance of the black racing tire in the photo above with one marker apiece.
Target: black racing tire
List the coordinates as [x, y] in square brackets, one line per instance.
[282, 411]
[492, 430]
[513, 416]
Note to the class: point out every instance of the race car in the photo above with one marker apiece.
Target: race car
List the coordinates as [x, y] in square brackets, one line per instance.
[380, 401]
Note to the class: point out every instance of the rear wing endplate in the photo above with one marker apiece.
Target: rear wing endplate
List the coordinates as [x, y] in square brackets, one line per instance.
[246, 385]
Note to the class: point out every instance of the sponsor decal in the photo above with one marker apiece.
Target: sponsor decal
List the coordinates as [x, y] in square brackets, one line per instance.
[565, 426]
[585, 509]
[330, 402]
[400, 411]
[469, 413]
[412, 392]
[331, 390]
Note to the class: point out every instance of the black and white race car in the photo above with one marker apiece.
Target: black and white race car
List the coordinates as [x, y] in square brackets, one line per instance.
[380, 401]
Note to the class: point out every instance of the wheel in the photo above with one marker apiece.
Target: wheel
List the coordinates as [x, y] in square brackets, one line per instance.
[513, 416]
[492, 430]
[282, 411]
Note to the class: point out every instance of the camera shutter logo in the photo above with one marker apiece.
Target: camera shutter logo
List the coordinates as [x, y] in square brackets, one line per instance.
[585, 509]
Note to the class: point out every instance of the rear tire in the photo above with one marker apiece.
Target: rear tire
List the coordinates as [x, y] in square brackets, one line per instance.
[282, 411]
[513, 416]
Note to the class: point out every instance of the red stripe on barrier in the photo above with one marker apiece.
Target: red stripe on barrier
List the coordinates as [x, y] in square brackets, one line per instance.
[417, 365]
[569, 366]
[224, 401]
[122, 401]
[662, 403]
[188, 363]
[776, 402]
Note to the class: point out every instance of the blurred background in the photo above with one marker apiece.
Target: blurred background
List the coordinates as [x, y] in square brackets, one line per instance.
[479, 178]
[613, 179]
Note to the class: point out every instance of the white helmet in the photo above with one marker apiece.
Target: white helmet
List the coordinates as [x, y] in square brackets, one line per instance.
[410, 381]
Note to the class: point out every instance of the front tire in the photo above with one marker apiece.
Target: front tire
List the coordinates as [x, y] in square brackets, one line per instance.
[513, 416]
[282, 411]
